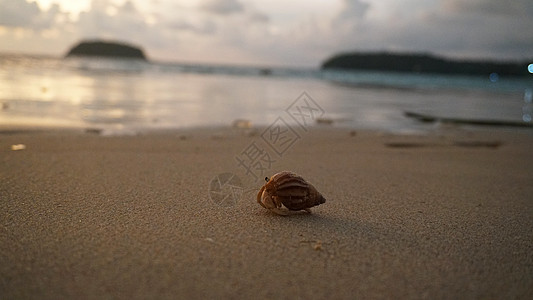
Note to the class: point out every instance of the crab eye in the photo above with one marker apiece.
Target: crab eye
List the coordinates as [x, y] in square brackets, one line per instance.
[267, 179]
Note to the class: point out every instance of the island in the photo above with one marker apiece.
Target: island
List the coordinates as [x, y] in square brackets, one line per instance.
[423, 63]
[106, 49]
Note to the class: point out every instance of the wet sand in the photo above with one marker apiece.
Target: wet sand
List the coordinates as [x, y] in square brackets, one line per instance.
[447, 215]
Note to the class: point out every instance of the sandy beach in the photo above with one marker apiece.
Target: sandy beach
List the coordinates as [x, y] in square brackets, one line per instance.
[441, 216]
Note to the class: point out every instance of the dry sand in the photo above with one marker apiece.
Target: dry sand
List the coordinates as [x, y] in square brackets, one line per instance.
[440, 216]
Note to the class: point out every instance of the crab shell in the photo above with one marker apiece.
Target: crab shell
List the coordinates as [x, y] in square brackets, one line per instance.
[289, 190]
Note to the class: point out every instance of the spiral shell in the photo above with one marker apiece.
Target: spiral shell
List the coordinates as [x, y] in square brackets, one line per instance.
[290, 190]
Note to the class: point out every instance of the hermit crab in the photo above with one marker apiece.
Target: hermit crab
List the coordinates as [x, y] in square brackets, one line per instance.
[289, 190]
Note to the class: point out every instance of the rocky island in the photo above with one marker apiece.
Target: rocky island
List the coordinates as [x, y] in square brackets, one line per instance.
[106, 49]
[423, 63]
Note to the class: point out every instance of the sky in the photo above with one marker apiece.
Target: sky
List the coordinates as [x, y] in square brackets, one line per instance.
[273, 32]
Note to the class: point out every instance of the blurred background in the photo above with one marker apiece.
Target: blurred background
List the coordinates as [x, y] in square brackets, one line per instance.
[210, 62]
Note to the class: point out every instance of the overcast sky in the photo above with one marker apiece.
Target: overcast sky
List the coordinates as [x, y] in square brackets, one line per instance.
[273, 32]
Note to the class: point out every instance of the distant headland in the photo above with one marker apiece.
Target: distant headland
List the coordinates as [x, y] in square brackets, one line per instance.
[106, 49]
[423, 63]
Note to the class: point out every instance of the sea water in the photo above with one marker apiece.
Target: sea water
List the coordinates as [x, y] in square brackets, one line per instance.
[136, 95]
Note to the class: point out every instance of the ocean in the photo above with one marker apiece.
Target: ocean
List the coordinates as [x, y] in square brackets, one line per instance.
[131, 96]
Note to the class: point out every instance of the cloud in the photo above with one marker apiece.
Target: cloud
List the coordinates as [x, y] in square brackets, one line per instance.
[491, 7]
[472, 29]
[353, 9]
[18, 13]
[258, 17]
[105, 19]
[207, 27]
[222, 7]
[27, 15]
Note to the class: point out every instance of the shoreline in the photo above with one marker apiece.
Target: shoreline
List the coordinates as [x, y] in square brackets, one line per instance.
[442, 215]
[430, 126]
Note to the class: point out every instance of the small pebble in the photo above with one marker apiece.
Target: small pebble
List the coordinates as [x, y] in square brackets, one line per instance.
[318, 246]
[18, 147]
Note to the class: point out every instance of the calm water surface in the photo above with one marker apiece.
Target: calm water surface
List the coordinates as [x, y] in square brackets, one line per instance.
[135, 95]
